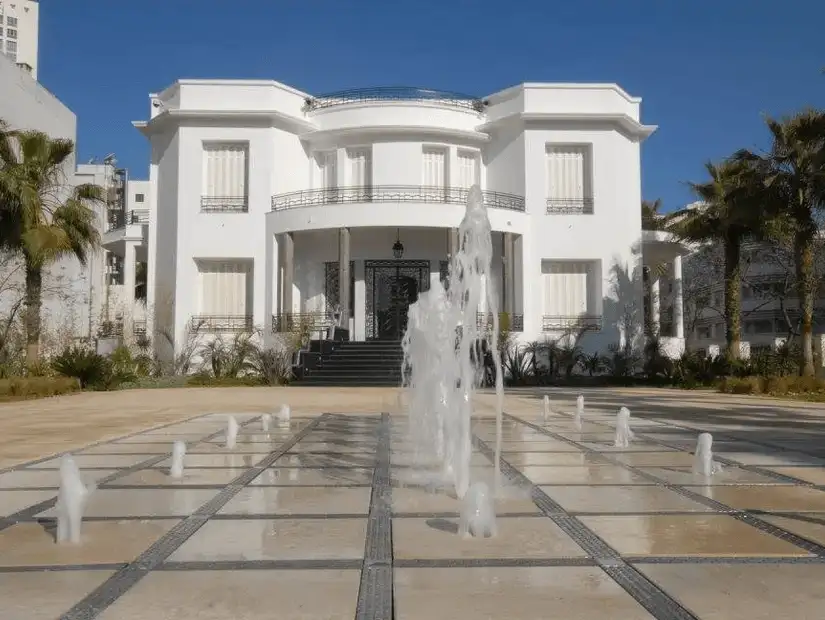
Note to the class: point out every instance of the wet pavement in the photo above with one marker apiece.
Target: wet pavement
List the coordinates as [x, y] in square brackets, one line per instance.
[326, 517]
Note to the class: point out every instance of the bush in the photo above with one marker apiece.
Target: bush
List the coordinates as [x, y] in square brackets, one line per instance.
[207, 380]
[780, 385]
[88, 367]
[19, 388]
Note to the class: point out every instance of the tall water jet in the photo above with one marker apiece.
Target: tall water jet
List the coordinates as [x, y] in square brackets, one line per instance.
[71, 500]
[703, 459]
[284, 413]
[577, 417]
[445, 351]
[178, 452]
[231, 432]
[546, 412]
[623, 433]
[266, 419]
[478, 513]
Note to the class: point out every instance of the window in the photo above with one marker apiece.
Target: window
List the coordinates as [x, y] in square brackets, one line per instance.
[225, 288]
[11, 33]
[435, 174]
[360, 167]
[225, 173]
[139, 197]
[11, 21]
[468, 169]
[11, 47]
[570, 295]
[569, 179]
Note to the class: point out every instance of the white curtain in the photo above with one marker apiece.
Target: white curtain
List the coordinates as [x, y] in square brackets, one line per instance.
[566, 288]
[468, 169]
[225, 170]
[568, 174]
[360, 161]
[434, 167]
[223, 287]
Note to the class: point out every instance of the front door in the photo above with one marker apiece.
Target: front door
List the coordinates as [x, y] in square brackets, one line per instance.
[392, 286]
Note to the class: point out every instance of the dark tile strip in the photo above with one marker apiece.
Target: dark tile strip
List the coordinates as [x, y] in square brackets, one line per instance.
[60, 568]
[724, 560]
[740, 515]
[114, 587]
[655, 600]
[375, 593]
[31, 511]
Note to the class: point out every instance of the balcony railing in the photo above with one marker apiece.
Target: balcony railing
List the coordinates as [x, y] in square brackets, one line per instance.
[221, 323]
[295, 321]
[570, 206]
[485, 322]
[394, 93]
[224, 204]
[584, 322]
[121, 219]
[139, 328]
[392, 193]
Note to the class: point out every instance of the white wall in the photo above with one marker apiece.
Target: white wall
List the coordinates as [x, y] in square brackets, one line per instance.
[27, 13]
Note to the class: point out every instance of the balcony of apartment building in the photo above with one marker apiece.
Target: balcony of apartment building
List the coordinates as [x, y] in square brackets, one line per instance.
[663, 290]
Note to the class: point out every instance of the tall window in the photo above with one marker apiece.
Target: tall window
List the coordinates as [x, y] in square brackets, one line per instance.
[360, 174]
[225, 288]
[570, 292]
[569, 179]
[435, 173]
[468, 169]
[327, 179]
[225, 177]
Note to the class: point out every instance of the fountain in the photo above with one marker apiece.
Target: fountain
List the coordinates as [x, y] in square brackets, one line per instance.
[266, 419]
[547, 411]
[284, 413]
[623, 433]
[444, 352]
[231, 432]
[71, 500]
[178, 452]
[703, 459]
[577, 417]
[478, 512]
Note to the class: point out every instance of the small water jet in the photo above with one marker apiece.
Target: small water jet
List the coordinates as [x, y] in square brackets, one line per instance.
[478, 512]
[71, 501]
[623, 433]
[266, 419]
[178, 452]
[703, 463]
[284, 413]
[577, 417]
[546, 412]
[231, 432]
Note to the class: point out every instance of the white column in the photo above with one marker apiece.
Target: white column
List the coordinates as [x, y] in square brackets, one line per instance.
[288, 242]
[270, 286]
[129, 280]
[344, 275]
[655, 305]
[678, 298]
[509, 288]
[360, 303]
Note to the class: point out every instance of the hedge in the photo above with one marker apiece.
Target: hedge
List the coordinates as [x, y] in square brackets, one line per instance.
[774, 385]
[21, 388]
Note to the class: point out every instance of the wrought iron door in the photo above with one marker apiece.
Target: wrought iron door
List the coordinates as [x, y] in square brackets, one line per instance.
[392, 285]
[332, 286]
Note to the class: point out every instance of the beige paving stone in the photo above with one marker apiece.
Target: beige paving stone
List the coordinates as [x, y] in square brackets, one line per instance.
[299, 500]
[225, 458]
[654, 459]
[114, 461]
[810, 525]
[22, 594]
[687, 535]
[781, 498]
[331, 446]
[572, 593]
[744, 592]
[131, 449]
[406, 500]
[621, 499]
[241, 595]
[303, 476]
[636, 446]
[728, 475]
[773, 458]
[12, 501]
[582, 474]
[325, 460]
[530, 459]
[143, 502]
[516, 537]
[46, 477]
[276, 539]
[191, 475]
[102, 542]
[815, 475]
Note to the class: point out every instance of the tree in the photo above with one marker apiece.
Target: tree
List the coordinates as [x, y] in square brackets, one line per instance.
[793, 175]
[43, 218]
[651, 218]
[729, 212]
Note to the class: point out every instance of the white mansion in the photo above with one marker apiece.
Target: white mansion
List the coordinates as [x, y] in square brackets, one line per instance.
[269, 206]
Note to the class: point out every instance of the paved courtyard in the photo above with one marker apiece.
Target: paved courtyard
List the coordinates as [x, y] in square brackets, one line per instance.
[324, 517]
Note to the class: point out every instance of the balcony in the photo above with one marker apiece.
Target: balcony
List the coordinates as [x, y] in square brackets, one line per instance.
[395, 93]
[570, 206]
[485, 322]
[583, 322]
[121, 219]
[393, 194]
[221, 323]
[298, 321]
[224, 204]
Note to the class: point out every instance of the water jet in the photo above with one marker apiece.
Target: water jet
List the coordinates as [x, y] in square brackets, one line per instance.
[623, 433]
[178, 452]
[71, 501]
[703, 459]
[546, 412]
[231, 432]
[478, 512]
[266, 419]
[577, 418]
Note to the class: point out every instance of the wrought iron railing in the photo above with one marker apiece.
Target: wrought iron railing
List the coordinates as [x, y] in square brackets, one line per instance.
[394, 93]
[221, 323]
[392, 193]
[224, 204]
[583, 322]
[295, 321]
[515, 322]
[139, 328]
[570, 206]
[121, 219]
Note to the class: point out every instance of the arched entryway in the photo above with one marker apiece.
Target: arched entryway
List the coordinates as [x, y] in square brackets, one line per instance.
[391, 287]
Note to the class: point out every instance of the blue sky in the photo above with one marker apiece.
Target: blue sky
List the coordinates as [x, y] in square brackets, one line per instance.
[707, 69]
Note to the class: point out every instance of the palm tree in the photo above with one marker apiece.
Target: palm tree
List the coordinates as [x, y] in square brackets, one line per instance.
[651, 218]
[793, 171]
[728, 213]
[42, 217]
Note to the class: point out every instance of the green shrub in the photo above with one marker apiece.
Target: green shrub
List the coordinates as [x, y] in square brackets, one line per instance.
[88, 367]
[207, 380]
[778, 385]
[19, 388]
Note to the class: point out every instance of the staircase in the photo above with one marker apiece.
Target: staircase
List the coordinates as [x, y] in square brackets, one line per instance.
[352, 364]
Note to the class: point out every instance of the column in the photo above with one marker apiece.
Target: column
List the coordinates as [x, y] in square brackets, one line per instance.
[655, 304]
[509, 284]
[678, 298]
[452, 242]
[344, 275]
[288, 242]
[129, 281]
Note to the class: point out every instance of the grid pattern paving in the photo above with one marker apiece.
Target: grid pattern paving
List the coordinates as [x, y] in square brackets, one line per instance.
[333, 516]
